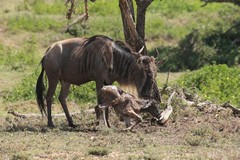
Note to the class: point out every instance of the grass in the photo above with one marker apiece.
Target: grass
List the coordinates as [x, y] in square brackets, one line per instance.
[217, 83]
[98, 151]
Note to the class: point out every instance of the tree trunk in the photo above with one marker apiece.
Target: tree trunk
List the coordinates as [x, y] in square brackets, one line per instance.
[141, 12]
[134, 34]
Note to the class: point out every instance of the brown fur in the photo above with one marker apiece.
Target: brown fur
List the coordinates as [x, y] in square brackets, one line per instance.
[126, 105]
[100, 59]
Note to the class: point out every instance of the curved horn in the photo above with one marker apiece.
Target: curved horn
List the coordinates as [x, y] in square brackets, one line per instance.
[140, 51]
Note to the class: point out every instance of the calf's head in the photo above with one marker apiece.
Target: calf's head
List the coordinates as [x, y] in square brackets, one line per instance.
[153, 108]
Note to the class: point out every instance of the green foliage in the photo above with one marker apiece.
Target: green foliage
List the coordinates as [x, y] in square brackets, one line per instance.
[202, 36]
[202, 47]
[33, 23]
[105, 8]
[25, 90]
[41, 7]
[19, 59]
[217, 82]
[44, 7]
[98, 26]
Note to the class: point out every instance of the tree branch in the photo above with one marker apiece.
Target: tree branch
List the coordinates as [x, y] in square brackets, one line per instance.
[167, 111]
[141, 12]
[235, 110]
[236, 2]
[77, 20]
[33, 115]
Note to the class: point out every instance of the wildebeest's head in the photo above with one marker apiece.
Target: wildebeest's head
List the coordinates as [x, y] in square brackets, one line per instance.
[145, 78]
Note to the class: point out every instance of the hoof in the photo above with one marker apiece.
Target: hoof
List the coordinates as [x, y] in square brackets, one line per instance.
[51, 126]
[72, 125]
[97, 123]
[128, 130]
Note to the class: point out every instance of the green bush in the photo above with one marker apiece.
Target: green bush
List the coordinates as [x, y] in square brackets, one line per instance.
[217, 82]
[19, 59]
[98, 151]
[201, 48]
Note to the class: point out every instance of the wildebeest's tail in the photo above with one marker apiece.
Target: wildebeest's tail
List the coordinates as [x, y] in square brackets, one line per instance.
[40, 88]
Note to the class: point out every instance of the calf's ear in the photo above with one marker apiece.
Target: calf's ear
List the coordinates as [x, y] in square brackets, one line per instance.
[147, 105]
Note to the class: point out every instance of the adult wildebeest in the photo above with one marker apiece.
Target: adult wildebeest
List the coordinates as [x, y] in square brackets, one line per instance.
[98, 59]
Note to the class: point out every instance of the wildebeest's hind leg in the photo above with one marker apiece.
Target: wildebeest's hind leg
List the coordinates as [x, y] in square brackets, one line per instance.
[52, 83]
[65, 86]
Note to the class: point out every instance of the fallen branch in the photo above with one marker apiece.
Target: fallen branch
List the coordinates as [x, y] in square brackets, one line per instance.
[235, 110]
[33, 115]
[20, 115]
[236, 2]
[167, 111]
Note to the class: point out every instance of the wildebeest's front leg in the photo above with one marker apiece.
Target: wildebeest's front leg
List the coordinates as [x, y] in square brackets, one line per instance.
[65, 86]
[52, 83]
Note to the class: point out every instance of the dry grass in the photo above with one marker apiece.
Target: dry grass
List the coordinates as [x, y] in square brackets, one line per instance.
[188, 135]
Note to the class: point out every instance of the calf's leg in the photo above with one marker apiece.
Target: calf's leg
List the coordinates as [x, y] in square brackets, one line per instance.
[137, 118]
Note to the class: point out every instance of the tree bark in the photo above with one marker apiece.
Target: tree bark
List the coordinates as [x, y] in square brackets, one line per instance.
[141, 12]
[132, 37]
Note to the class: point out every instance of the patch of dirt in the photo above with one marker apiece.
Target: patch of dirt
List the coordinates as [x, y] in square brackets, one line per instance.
[190, 133]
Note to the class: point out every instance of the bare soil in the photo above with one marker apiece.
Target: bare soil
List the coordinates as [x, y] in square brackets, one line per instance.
[189, 134]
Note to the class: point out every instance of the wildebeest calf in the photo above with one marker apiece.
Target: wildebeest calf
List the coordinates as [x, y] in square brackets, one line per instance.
[125, 104]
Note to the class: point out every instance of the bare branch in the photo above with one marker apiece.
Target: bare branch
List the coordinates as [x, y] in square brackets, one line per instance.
[33, 115]
[71, 9]
[167, 111]
[236, 2]
[86, 9]
[235, 110]
[77, 20]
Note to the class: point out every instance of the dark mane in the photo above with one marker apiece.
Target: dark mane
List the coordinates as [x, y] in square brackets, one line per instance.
[123, 46]
[124, 61]
[93, 38]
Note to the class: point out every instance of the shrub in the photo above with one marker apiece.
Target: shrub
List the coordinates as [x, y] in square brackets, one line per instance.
[98, 151]
[217, 82]
[200, 48]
